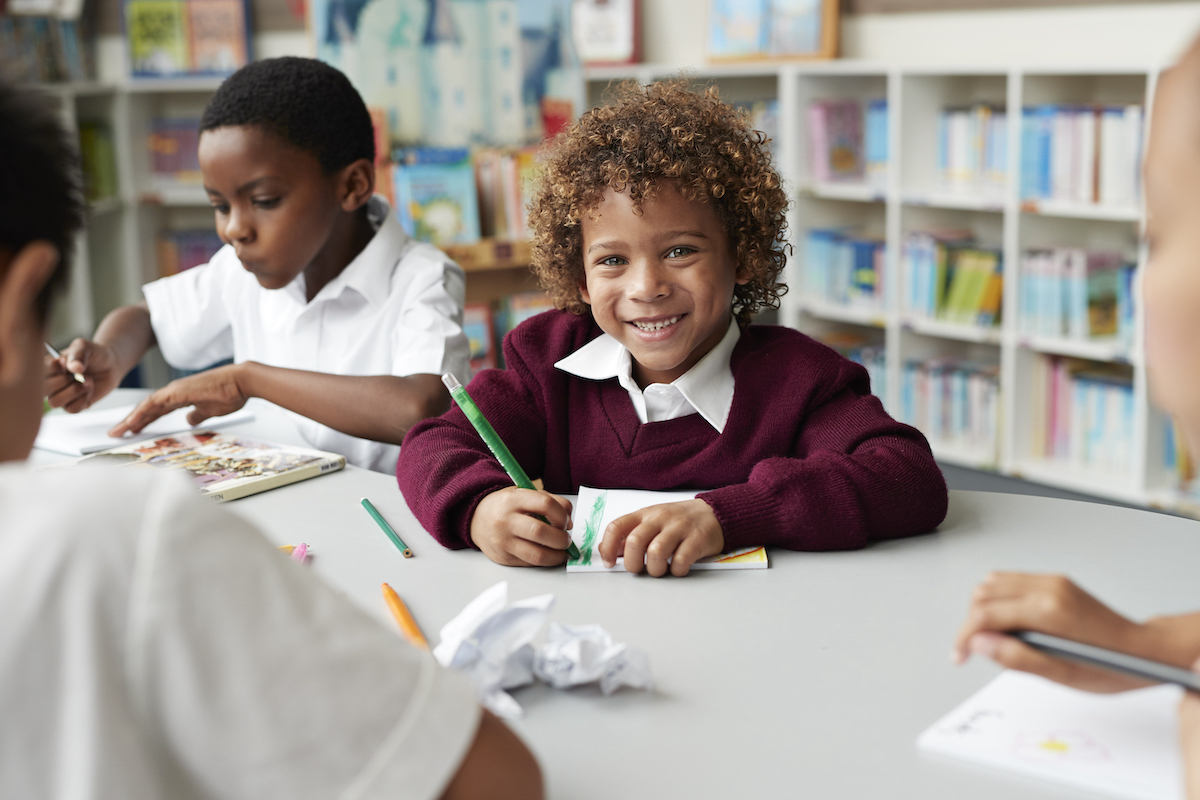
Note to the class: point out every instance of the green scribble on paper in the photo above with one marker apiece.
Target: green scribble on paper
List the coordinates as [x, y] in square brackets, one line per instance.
[591, 530]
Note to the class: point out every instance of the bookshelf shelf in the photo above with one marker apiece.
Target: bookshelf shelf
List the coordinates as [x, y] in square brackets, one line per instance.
[490, 254]
[1053, 208]
[1100, 350]
[963, 202]
[952, 330]
[202, 85]
[916, 194]
[871, 317]
[105, 205]
[853, 192]
[182, 196]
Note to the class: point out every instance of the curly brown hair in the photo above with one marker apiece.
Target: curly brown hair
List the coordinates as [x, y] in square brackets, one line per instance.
[664, 131]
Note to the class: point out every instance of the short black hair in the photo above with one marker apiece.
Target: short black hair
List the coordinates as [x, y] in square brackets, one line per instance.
[301, 100]
[40, 196]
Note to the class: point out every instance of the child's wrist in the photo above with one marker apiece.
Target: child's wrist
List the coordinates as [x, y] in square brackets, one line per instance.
[245, 375]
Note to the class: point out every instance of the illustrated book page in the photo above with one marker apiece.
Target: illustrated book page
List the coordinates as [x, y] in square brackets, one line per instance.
[87, 432]
[1120, 745]
[596, 508]
[223, 466]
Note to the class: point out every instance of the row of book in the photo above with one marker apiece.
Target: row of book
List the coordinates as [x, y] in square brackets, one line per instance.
[169, 38]
[1076, 293]
[954, 402]
[763, 115]
[861, 350]
[950, 277]
[1083, 413]
[174, 150]
[848, 141]
[973, 149]
[1082, 154]
[845, 269]
[180, 250]
[458, 195]
[487, 324]
[39, 49]
[1177, 459]
[98, 161]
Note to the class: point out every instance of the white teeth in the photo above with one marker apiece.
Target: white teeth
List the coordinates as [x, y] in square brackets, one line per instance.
[656, 326]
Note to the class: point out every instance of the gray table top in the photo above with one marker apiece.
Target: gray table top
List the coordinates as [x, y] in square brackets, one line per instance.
[810, 679]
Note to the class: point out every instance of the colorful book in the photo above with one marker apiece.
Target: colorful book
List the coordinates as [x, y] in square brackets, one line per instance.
[157, 31]
[596, 508]
[436, 197]
[87, 432]
[217, 29]
[477, 325]
[224, 466]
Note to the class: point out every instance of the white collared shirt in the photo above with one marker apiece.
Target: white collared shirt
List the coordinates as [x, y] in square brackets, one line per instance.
[396, 309]
[705, 389]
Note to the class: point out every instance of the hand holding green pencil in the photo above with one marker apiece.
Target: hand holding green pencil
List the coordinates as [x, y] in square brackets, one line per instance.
[494, 442]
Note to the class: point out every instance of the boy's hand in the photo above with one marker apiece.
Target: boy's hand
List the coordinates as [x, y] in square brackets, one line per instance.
[95, 362]
[505, 529]
[213, 393]
[683, 532]
[1008, 601]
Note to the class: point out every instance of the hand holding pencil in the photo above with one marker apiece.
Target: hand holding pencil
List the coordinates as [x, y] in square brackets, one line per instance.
[500, 526]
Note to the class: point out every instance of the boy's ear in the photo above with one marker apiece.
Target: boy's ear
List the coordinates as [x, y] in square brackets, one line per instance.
[356, 184]
[583, 292]
[20, 285]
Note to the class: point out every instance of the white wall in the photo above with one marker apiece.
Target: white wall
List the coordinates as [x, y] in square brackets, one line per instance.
[1125, 34]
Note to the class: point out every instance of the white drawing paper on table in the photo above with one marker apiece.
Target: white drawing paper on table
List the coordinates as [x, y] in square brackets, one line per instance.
[596, 508]
[87, 432]
[1121, 745]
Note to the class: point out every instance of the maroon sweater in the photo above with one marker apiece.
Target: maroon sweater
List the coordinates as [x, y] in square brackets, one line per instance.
[808, 459]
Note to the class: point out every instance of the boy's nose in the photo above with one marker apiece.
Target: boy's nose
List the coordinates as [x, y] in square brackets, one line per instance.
[237, 227]
[647, 281]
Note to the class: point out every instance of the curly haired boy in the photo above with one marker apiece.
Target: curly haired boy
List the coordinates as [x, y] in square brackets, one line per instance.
[658, 229]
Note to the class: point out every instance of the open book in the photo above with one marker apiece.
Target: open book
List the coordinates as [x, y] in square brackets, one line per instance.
[87, 432]
[596, 508]
[1121, 745]
[224, 466]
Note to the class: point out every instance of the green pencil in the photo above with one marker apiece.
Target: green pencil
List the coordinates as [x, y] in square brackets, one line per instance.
[391, 534]
[495, 443]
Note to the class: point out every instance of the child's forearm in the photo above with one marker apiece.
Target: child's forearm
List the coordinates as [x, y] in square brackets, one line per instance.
[1171, 640]
[127, 332]
[377, 407]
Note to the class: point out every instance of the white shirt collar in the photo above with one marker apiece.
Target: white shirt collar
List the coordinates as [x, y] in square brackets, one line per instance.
[370, 272]
[707, 387]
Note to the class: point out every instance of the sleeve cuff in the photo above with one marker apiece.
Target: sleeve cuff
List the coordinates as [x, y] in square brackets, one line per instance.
[425, 749]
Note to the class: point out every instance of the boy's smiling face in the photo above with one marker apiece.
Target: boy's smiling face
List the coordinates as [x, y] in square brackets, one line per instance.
[1171, 285]
[660, 282]
[273, 202]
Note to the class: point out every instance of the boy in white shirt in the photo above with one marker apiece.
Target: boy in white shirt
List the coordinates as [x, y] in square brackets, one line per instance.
[325, 305]
[156, 646]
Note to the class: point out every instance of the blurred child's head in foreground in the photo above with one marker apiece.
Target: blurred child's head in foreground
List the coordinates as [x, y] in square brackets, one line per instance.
[41, 209]
[662, 136]
[1171, 285]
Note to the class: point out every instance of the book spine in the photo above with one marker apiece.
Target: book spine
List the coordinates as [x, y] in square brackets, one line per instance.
[275, 481]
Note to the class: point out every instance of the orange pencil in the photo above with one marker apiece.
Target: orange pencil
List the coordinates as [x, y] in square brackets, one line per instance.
[404, 618]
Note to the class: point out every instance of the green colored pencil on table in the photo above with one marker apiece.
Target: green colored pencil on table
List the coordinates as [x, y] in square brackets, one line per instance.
[391, 534]
[495, 443]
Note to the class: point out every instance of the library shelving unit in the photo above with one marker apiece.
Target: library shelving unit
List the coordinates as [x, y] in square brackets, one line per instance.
[913, 196]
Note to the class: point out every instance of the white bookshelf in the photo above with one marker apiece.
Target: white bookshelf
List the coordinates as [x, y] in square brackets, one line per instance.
[116, 251]
[914, 198]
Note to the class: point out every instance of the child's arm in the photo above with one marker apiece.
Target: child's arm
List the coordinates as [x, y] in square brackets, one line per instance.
[459, 492]
[1007, 601]
[118, 345]
[854, 474]
[381, 408]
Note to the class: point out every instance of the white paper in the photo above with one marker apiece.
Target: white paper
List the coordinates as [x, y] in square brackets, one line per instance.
[87, 432]
[594, 509]
[1121, 745]
[489, 641]
[579, 654]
